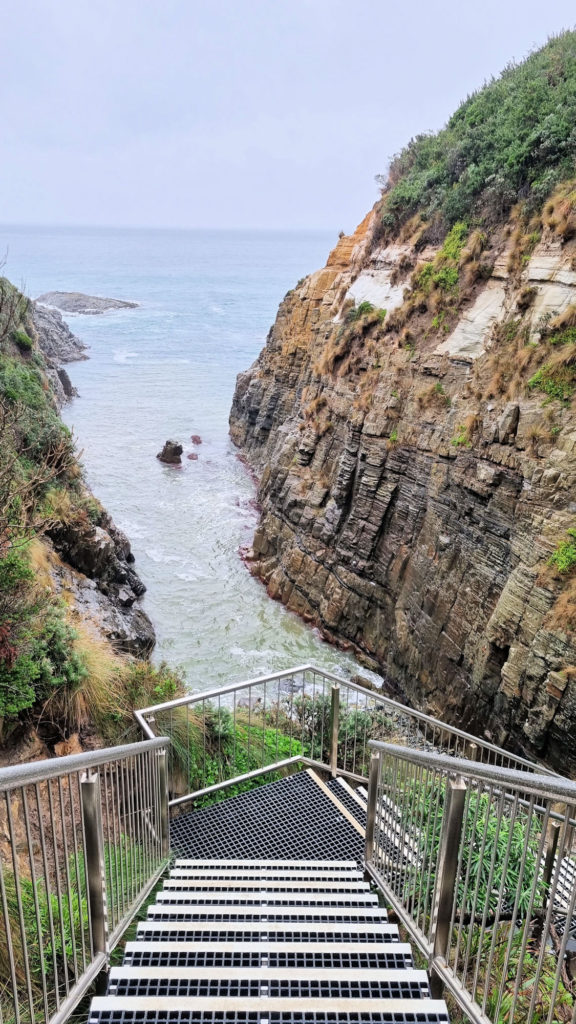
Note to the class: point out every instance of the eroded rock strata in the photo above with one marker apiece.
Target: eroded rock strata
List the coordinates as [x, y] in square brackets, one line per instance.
[417, 471]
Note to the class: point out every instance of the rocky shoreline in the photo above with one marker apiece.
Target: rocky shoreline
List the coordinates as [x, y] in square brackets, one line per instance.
[94, 561]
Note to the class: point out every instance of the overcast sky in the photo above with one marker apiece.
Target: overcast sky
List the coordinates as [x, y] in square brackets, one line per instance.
[234, 113]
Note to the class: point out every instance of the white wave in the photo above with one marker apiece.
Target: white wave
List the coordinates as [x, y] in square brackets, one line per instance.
[122, 355]
[160, 558]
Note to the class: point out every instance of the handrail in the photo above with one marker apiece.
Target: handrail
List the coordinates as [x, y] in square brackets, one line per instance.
[86, 841]
[39, 771]
[478, 862]
[322, 716]
[534, 785]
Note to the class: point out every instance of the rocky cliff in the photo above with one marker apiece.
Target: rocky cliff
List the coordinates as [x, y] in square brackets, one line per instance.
[412, 422]
[92, 561]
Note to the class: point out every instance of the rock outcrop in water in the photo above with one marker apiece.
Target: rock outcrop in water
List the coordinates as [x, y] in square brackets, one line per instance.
[76, 302]
[171, 453]
[412, 422]
[58, 345]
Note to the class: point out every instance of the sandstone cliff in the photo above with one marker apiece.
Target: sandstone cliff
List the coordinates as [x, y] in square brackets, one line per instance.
[413, 425]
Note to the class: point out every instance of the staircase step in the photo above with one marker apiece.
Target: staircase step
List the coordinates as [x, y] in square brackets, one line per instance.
[274, 875]
[252, 954]
[174, 890]
[185, 1010]
[267, 982]
[182, 911]
[354, 794]
[273, 931]
[266, 864]
[278, 886]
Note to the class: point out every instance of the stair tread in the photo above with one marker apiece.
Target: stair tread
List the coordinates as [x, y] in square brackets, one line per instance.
[276, 873]
[344, 913]
[244, 1004]
[277, 885]
[172, 887]
[268, 927]
[194, 862]
[263, 947]
[273, 973]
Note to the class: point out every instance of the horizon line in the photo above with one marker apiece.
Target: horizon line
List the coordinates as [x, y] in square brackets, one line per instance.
[164, 227]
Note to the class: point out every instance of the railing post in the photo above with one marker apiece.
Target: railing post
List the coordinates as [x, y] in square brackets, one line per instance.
[163, 786]
[446, 880]
[334, 727]
[373, 780]
[94, 852]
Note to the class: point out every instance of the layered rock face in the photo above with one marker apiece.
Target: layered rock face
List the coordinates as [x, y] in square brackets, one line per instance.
[93, 563]
[416, 476]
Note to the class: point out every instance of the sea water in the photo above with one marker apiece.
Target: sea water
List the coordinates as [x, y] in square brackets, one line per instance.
[167, 370]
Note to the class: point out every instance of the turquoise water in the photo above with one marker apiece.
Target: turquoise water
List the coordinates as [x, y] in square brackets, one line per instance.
[167, 370]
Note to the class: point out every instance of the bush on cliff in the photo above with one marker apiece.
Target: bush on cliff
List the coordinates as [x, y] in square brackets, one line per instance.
[514, 139]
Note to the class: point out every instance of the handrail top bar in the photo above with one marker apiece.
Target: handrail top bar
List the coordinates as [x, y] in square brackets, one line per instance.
[194, 698]
[554, 787]
[39, 771]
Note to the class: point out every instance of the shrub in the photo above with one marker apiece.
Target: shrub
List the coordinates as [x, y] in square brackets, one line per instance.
[556, 382]
[512, 138]
[23, 341]
[564, 557]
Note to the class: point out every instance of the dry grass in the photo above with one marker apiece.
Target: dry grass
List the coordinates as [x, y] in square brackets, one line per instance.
[537, 434]
[564, 320]
[562, 615]
[433, 396]
[559, 213]
[40, 562]
[474, 247]
[526, 298]
[97, 695]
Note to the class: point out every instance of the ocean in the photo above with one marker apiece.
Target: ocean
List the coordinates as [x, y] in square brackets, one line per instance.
[166, 370]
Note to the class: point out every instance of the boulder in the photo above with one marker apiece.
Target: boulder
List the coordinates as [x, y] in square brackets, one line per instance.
[171, 453]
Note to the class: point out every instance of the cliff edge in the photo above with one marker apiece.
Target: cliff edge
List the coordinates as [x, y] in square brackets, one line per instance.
[413, 423]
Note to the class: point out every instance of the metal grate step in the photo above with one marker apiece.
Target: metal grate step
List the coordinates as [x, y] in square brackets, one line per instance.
[152, 1010]
[181, 911]
[376, 955]
[273, 875]
[266, 865]
[287, 819]
[266, 983]
[278, 886]
[174, 890]
[273, 931]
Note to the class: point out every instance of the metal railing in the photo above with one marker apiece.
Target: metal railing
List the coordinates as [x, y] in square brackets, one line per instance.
[240, 733]
[478, 863]
[83, 840]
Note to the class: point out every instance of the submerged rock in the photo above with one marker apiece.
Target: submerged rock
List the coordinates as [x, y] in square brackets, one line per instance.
[171, 453]
[196, 439]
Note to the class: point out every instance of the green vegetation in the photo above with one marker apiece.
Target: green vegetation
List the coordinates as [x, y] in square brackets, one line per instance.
[511, 139]
[23, 341]
[461, 438]
[564, 557]
[555, 381]
[443, 273]
[366, 309]
[505, 873]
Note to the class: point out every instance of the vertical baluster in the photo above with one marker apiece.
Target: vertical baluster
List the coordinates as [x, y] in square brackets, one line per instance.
[56, 862]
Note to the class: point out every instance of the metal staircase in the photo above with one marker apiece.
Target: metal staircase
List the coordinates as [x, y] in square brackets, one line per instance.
[257, 941]
[274, 939]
